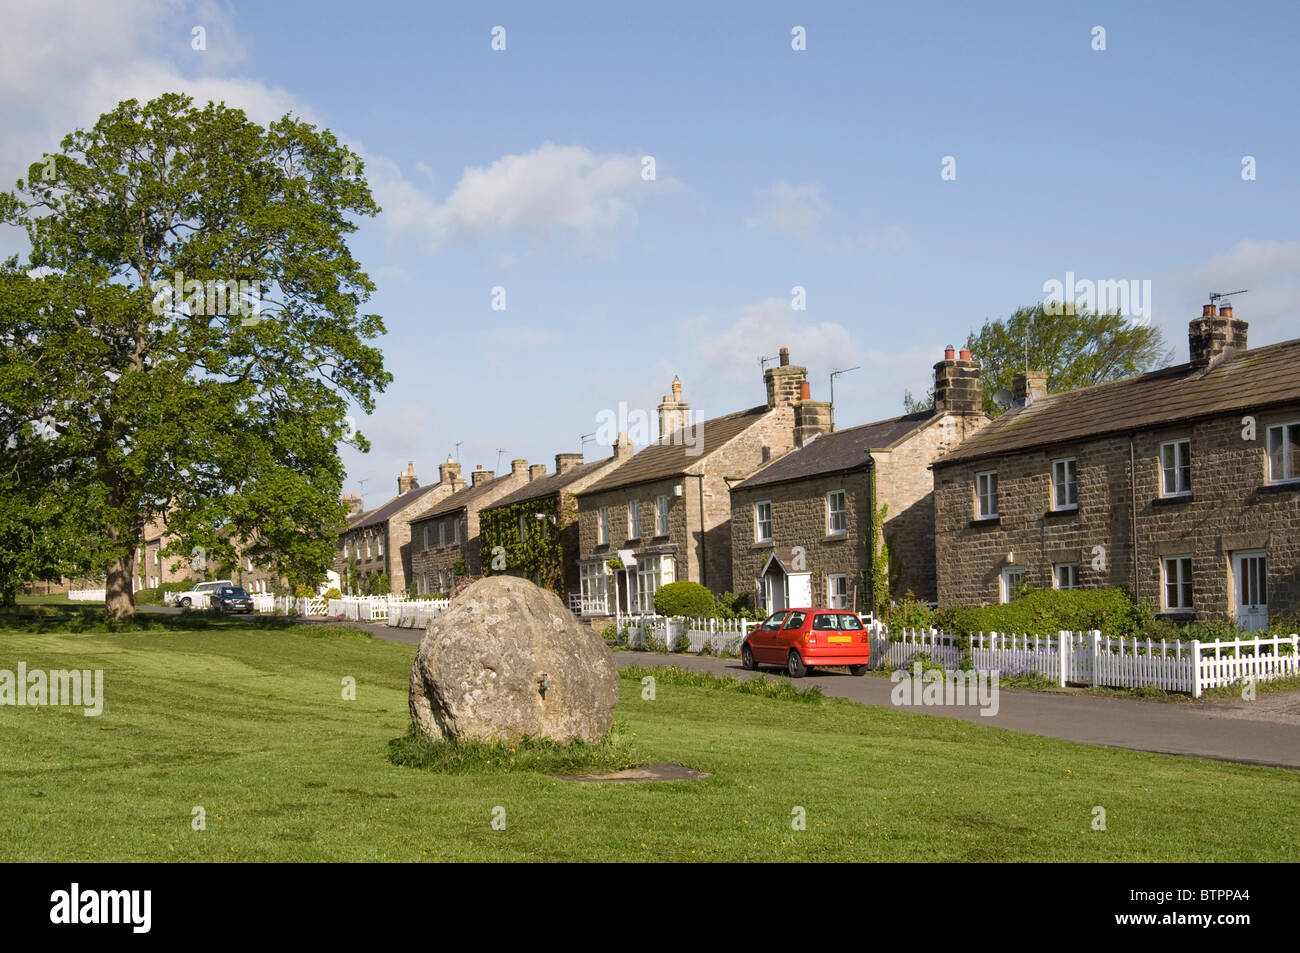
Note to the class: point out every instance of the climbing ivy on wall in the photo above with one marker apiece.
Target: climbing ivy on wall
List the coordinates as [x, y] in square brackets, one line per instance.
[878, 554]
[539, 555]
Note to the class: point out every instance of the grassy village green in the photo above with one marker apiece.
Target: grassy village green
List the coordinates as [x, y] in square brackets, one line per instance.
[247, 720]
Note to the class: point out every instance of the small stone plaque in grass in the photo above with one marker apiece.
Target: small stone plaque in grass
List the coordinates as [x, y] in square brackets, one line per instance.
[661, 771]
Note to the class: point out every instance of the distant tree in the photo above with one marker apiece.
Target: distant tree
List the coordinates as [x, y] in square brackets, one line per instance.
[913, 406]
[198, 337]
[1075, 349]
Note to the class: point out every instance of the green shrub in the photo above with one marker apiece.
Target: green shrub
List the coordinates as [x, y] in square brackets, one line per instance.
[333, 593]
[1048, 611]
[731, 605]
[683, 643]
[688, 599]
[910, 613]
[303, 592]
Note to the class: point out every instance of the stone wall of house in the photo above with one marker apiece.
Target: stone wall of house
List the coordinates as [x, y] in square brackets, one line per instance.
[800, 517]
[648, 541]
[905, 486]
[439, 559]
[1231, 509]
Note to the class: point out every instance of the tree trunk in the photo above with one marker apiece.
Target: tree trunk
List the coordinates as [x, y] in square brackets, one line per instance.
[119, 599]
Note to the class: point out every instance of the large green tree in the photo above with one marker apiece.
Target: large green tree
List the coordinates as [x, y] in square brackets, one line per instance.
[199, 337]
[1076, 348]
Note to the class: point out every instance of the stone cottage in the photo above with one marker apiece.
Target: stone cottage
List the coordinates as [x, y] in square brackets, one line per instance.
[1182, 485]
[377, 542]
[665, 514]
[546, 505]
[800, 525]
[444, 540]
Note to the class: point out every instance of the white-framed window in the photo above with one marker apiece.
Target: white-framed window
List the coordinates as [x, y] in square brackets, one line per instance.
[442, 533]
[1176, 468]
[602, 526]
[345, 549]
[837, 590]
[1177, 574]
[1284, 452]
[379, 541]
[763, 521]
[595, 591]
[455, 530]
[426, 535]
[523, 527]
[633, 519]
[367, 547]
[837, 513]
[986, 494]
[1065, 489]
[442, 580]
[157, 556]
[661, 515]
[1012, 578]
[651, 573]
[1065, 576]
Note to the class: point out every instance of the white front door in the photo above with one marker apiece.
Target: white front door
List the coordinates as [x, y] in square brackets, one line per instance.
[1250, 584]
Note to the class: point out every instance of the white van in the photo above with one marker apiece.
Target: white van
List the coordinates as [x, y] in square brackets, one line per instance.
[200, 595]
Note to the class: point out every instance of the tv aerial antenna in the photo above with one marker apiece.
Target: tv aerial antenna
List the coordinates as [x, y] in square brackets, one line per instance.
[1216, 295]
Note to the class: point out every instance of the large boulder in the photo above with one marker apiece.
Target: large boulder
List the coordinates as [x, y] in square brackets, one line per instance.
[508, 659]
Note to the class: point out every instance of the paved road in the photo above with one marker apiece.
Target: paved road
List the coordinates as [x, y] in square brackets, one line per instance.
[1266, 731]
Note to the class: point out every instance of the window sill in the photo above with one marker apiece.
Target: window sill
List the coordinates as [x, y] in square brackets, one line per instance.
[1172, 500]
[1063, 511]
[1288, 486]
[987, 521]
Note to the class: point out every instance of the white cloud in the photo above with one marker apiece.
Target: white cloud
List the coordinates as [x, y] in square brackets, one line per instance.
[1269, 270]
[761, 330]
[793, 210]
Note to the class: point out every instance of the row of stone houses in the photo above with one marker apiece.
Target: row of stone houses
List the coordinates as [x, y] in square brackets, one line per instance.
[1182, 485]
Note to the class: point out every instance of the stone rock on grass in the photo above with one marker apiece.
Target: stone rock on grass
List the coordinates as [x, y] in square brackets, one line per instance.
[507, 659]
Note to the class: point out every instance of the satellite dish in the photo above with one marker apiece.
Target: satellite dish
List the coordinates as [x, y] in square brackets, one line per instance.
[1003, 398]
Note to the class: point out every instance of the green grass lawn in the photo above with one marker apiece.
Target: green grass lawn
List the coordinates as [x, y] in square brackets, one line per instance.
[249, 723]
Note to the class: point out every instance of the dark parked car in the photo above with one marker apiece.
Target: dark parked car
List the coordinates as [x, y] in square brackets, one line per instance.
[232, 599]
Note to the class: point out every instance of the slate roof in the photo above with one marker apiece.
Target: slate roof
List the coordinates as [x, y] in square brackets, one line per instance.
[670, 458]
[458, 500]
[835, 452]
[1241, 381]
[548, 485]
[381, 513]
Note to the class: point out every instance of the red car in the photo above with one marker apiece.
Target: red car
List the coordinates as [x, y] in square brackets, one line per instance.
[797, 639]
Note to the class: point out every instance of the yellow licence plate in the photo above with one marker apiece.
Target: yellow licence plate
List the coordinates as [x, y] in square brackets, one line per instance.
[840, 638]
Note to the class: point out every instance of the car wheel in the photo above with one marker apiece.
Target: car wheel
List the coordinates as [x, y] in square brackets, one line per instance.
[747, 659]
[186, 603]
[857, 670]
[795, 667]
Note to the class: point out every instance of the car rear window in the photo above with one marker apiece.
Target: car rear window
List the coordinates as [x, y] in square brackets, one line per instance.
[827, 621]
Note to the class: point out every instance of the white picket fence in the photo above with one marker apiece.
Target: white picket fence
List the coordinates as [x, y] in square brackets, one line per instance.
[414, 613]
[1089, 658]
[87, 595]
[721, 635]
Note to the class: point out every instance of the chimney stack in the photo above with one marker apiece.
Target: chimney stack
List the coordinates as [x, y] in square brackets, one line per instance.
[957, 384]
[536, 472]
[353, 503]
[1212, 337]
[479, 476]
[564, 462]
[674, 413]
[519, 468]
[623, 448]
[1027, 387]
[811, 417]
[406, 482]
[449, 472]
[784, 382]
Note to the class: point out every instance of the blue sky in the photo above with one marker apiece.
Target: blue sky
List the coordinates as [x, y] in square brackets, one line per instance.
[774, 168]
